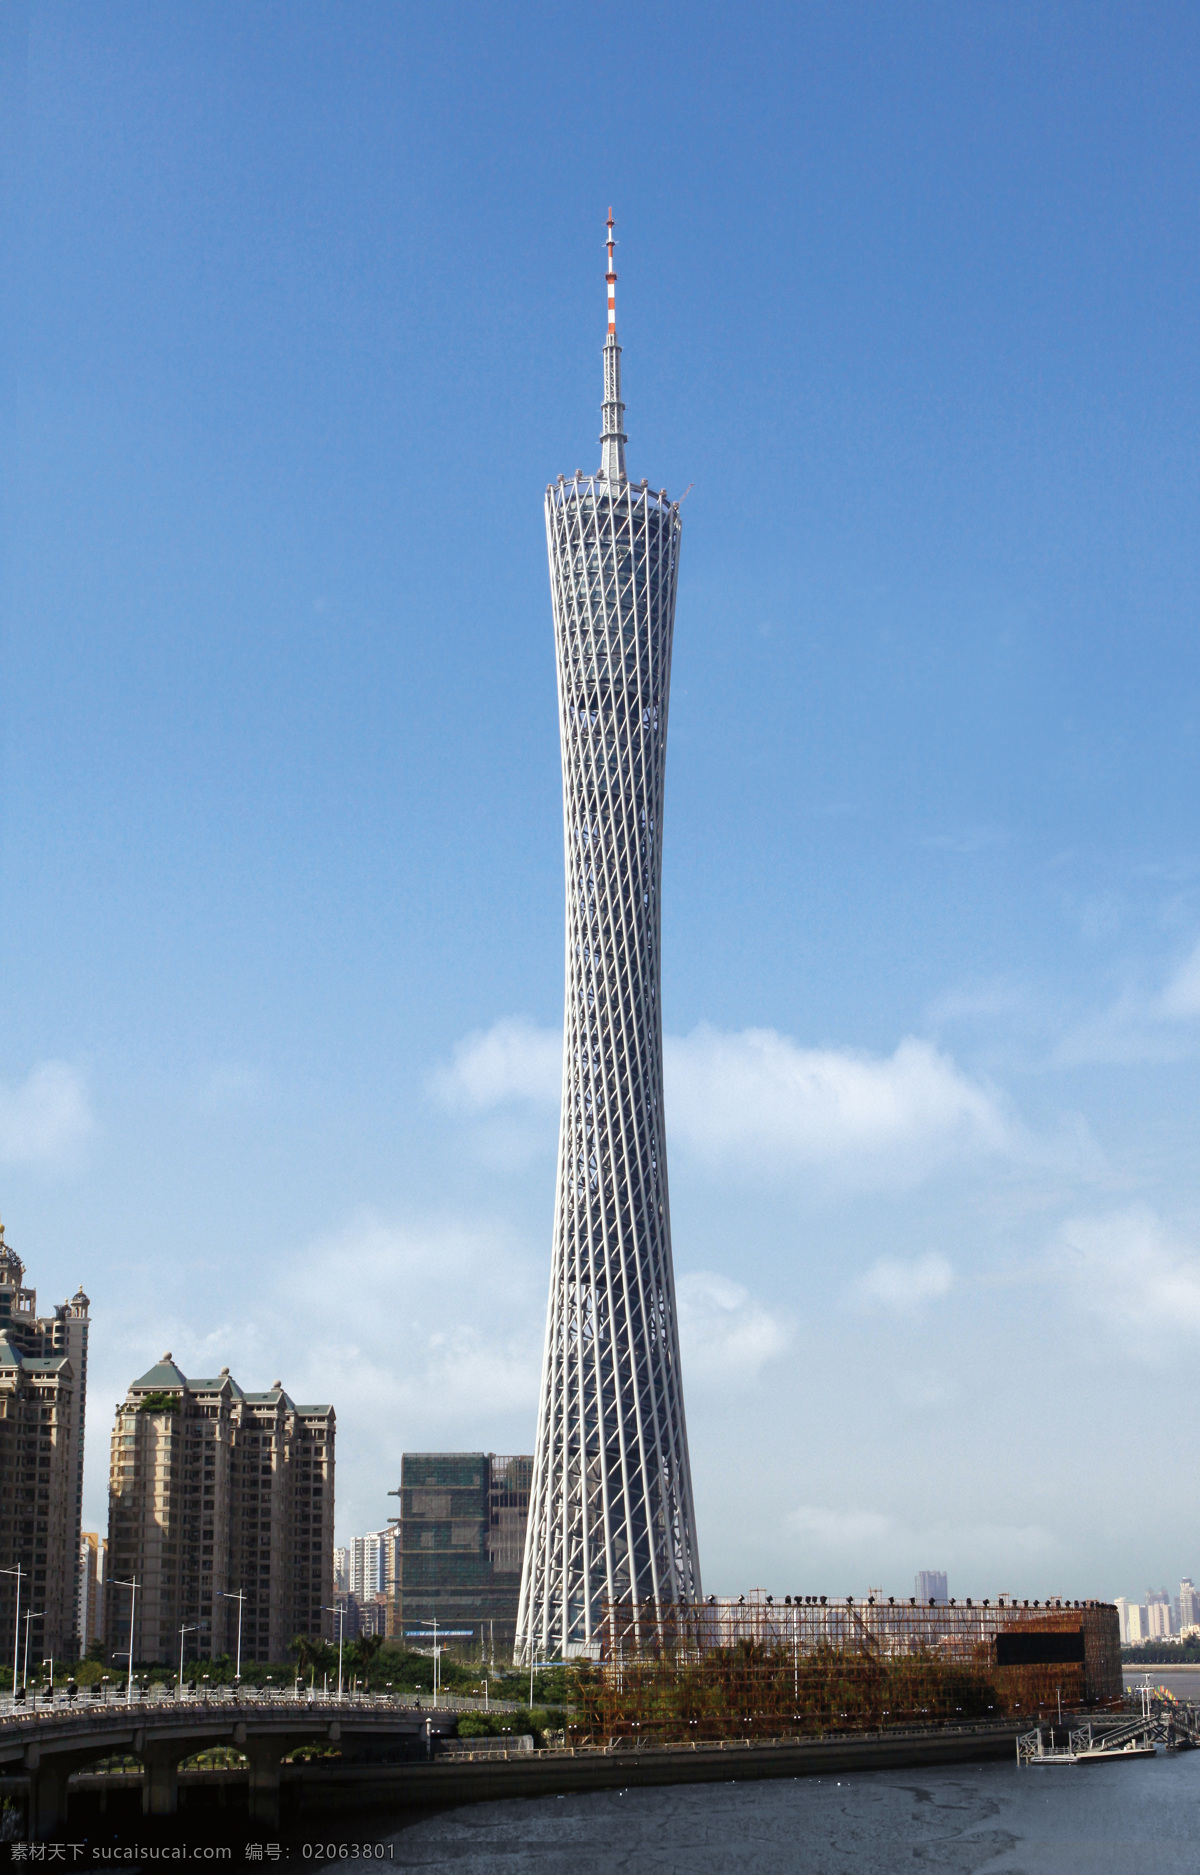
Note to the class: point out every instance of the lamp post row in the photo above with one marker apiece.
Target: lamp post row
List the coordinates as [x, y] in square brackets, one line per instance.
[21, 1662]
[133, 1585]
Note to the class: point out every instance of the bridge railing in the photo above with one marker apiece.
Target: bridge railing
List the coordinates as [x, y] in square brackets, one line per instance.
[250, 1700]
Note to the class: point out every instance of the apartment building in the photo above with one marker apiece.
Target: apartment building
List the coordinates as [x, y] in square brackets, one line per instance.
[93, 1560]
[373, 1564]
[221, 1511]
[43, 1385]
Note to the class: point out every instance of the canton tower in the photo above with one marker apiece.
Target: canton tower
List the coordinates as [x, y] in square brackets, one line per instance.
[610, 1516]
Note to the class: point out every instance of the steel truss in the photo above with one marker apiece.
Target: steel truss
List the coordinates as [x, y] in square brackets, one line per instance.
[611, 1515]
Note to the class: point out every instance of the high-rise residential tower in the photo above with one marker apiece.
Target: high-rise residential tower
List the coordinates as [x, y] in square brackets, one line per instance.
[221, 1510]
[611, 1515]
[43, 1387]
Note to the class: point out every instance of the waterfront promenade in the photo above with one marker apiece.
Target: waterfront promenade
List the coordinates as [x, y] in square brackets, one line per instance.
[383, 1752]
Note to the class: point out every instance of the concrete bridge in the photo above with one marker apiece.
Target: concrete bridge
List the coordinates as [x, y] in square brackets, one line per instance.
[43, 1746]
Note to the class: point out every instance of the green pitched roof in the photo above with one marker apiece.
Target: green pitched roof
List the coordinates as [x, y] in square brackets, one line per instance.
[165, 1377]
[10, 1353]
[269, 1398]
[216, 1383]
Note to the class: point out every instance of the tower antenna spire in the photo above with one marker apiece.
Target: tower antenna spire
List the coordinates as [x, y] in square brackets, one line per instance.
[611, 279]
[612, 434]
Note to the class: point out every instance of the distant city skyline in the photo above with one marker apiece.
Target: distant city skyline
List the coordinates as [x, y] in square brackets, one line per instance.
[303, 300]
[1161, 1616]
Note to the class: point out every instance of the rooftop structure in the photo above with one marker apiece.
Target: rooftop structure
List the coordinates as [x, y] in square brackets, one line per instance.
[611, 1517]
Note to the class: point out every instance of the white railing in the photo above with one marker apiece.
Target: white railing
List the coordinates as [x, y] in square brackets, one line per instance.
[246, 1699]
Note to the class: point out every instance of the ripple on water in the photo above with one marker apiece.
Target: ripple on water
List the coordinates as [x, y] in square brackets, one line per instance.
[988, 1819]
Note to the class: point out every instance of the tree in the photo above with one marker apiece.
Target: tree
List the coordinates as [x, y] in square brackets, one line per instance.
[366, 1647]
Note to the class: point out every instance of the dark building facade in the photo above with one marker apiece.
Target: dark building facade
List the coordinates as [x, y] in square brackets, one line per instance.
[462, 1538]
[43, 1389]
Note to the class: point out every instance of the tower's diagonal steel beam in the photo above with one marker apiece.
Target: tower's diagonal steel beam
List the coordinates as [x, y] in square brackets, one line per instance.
[611, 1515]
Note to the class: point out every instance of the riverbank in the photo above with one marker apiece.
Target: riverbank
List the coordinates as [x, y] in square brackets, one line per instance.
[451, 1782]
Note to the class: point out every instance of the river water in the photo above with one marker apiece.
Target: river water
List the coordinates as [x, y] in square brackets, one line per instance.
[986, 1819]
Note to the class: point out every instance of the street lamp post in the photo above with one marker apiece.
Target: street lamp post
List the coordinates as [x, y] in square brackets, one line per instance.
[240, 1599]
[18, 1572]
[340, 1612]
[195, 1629]
[438, 1650]
[31, 1614]
[131, 1584]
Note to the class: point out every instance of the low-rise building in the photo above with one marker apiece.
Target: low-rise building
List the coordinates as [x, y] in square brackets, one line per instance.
[221, 1511]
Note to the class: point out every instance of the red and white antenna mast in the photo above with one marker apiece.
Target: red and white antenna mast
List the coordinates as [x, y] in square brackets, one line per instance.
[611, 278]
[612, 436]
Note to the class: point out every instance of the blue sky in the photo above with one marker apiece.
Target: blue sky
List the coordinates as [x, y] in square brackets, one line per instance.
[305, 308]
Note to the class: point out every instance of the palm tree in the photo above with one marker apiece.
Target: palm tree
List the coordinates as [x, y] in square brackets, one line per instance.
[368, 1645]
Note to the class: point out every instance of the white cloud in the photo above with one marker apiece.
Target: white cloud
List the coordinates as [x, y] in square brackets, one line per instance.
[1130, 1269]
[757, 1102]
[46, 1118]
[513, 1061]
[424, 1335]
[980, 1002]
[905, 1287]
[758, 1099]
[1180, 999]
[724, 1333]
[1138, 1026]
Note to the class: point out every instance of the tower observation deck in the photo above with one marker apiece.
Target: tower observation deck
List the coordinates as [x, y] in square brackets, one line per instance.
[611, 1516]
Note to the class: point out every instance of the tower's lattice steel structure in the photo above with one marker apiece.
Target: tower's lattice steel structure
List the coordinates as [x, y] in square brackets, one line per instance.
[611, 1516]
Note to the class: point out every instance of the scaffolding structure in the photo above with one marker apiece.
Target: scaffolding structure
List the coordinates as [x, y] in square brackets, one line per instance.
[806, 1665]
